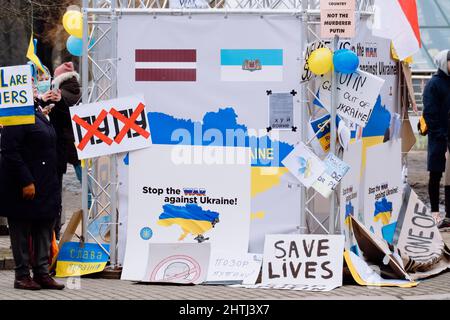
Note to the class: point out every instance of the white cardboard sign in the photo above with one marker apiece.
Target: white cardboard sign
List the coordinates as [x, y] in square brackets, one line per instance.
[357, 95]
[303, 259]
[110, 126]
[178, 263]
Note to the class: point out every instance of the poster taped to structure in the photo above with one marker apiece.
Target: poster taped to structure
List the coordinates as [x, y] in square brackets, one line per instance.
[220, 97]
[303, 260]
[175, 199]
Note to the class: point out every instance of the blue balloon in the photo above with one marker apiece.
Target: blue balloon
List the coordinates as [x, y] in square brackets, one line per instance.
[75, 46]
[345, 61]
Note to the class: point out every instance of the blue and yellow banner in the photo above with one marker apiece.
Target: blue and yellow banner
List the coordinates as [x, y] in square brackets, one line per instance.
[77, 260]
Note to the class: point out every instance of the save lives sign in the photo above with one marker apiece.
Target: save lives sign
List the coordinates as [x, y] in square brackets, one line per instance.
[303, 259]
[110, 126]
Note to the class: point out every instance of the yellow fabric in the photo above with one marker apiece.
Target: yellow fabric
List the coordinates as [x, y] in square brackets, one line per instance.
[72, 268]
[31, 55]
[16, 120]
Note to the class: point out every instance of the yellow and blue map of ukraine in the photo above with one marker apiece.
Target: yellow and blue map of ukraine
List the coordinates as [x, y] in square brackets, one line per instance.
[383, 211]
[191, 218]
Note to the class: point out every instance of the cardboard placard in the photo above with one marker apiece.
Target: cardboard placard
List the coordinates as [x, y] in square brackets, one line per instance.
[303, 259]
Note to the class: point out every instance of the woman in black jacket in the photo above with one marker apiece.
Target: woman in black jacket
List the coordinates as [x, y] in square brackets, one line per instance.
[30, 198]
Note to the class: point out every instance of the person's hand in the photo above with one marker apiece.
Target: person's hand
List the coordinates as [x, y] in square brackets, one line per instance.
[28, 192]
[56, 95]
[47, 96]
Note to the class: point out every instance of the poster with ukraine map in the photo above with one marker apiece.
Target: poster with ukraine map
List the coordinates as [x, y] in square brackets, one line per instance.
[186, 194]
[206, 80]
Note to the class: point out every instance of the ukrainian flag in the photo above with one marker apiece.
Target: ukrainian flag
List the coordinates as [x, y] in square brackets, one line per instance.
[31, 55]
[17, 115]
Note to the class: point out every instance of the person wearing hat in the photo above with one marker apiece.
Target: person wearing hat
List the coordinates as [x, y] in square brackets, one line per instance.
[65, 94]
[30, 196]
[436, 102]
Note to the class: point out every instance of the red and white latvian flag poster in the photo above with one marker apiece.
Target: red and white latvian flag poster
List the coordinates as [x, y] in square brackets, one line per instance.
[166, 65]
[397, 20]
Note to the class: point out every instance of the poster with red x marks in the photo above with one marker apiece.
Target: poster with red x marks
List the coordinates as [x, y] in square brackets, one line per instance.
[110, 126]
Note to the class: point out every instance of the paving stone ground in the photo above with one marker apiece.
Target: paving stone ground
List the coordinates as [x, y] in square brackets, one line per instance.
[436, 288]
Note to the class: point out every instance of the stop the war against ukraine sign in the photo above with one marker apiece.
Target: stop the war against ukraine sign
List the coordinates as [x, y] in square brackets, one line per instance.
[16, 96]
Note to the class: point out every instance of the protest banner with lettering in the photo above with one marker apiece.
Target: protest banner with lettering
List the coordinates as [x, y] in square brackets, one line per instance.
[186, 194]
[383, 188]
[281, 110]
[76, 260]
[418, 237]
[303, 259]
[110, 126]
[357, 94]
[337, 17]
[16, 96]
[183, 263]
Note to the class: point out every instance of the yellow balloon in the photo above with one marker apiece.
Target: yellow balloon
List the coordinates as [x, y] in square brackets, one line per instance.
[73, 23]
[320, 61]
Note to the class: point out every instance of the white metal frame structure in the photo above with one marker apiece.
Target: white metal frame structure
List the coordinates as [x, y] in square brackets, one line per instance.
[99, 82]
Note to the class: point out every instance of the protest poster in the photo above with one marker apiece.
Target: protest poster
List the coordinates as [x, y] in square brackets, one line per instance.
[75, 259]
[171, 201]
[383, 188]
[357, 95]
[418, 237]
[110, 126]
[304, 165]
[335, 170]
[281, 110]
[182, 263]
[350, 191]
[16, 96]
[303, 259]
[226, 267]
[337, 17]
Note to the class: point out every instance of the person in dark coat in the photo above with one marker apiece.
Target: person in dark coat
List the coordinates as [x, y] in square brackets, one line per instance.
[66, 93]
[436, 102]
[30, 195]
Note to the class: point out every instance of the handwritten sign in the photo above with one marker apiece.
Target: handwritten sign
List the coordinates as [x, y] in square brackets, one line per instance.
[303, 259]
[357, 95]
[16, 96]
[337, 17]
